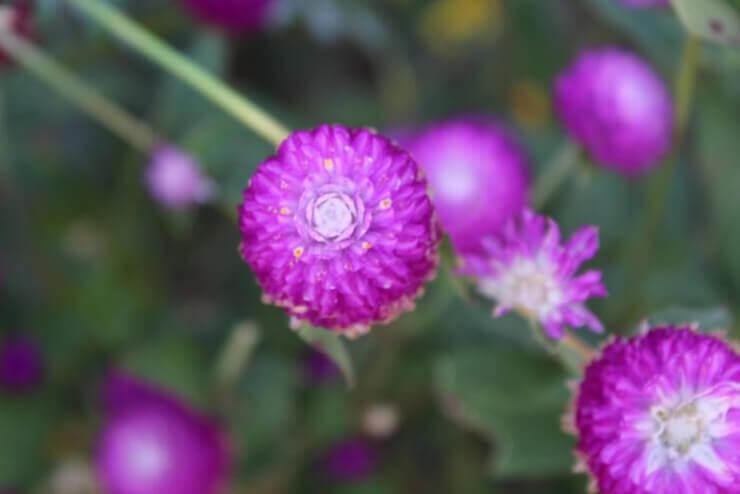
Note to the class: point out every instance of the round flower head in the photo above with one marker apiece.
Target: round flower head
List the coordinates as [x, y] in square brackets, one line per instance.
[175, 179]
[616, 106]
[21, 365]
[527, 269]
[339, 229]
[153, 444]
[478, 175]
[645, 3]
[234, 16]
[16, 19]
[660, 414]
[352, 460]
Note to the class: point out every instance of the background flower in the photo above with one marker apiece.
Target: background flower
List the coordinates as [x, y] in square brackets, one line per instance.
[234, 16]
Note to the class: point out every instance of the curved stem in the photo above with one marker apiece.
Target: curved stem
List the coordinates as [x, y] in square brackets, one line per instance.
[130, 129]
[555, 173]
[180, 66]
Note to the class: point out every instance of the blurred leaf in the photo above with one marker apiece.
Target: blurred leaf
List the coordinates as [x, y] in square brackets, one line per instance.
[24, 425]
[709, 319]
[715, 20]
[332, 345]
[516, 398]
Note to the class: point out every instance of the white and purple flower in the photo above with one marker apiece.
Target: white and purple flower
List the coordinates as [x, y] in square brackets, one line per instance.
[526, 268]
[175, 179]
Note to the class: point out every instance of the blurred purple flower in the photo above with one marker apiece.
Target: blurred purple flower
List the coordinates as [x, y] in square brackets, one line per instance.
[21, 364]
[645, 3]
[527, 268]
[152, 443]
[18, 19]
[660, 414]
[478, 176]
[233, 16]
[339, 229]
[615, 105]
[351, 460]
[319, 368]
[176, 180]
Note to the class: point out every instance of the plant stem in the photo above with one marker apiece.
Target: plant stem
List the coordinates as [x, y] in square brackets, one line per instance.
[555, 173]
[180, 66]
[686, 82]
[130, 129]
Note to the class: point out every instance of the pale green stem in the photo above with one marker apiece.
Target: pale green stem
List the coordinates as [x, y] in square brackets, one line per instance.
[555, 173]
[130, 129]
[686, 82]
[180, 66]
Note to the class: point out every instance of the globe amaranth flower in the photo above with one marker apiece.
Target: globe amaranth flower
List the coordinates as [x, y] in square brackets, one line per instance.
[645, 3]
[233, 16]
[526, 268]
[16, 18]
[615, 105]
[339, 229]
[152, 443]
[21, 364]
[660, 414]
[478, 175]
[351, 460]
[175, 180]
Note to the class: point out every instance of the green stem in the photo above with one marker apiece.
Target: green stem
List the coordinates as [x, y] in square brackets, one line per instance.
[136, 133]
[686, 82]
[180, 66]
[555, 173]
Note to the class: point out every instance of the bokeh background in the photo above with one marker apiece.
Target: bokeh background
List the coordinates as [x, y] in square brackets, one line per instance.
[100, 276]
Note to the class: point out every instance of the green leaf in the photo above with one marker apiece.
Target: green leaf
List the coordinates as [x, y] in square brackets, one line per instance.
[333, 345]
[24, 426]
[708, 319]
[714, 20]
[516, 398]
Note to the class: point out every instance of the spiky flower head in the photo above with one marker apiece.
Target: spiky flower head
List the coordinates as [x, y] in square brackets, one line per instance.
[478, 176]
[615, 105]
[153, 443]
[233, 16]
[21, 364]
[660, 414]
[175, 179]
[528, 269]
[17, 19]
[339, 229]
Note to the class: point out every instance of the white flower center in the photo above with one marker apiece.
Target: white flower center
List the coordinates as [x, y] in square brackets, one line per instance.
[333, 216]
[527, 285]
[680, 429]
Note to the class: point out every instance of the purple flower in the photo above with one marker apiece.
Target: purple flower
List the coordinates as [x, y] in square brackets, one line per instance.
[660, 414]
[339, 229]
[616, 106]
[640, 4]
[478, 174]
[352, 460]
[233, 16]
[21, 365]
[319, 368]
[18, 19]
[175, 179]
[152, 444]
[527, 269]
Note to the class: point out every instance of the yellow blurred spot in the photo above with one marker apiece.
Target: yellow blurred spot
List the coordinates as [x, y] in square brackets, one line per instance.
[452, 22]
[298, 252]
[530, 103]
[386, 203]
[329, 164]
[367, 245]
[284, 211]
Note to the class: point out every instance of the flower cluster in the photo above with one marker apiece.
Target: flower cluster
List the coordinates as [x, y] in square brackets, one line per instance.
[339, 229]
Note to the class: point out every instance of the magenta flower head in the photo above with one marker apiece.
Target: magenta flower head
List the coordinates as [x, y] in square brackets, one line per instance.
[642, 4]
[478, 174]
[351, 460]
[175, 180]
[21, 365]
[528, 269]
[660, 414]
[615, 105]
[152, 443]
[16, 18]
[339, 229]
[233, 16]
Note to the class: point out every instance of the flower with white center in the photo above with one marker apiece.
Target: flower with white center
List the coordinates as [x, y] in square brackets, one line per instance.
[526, 268]
[660, 414]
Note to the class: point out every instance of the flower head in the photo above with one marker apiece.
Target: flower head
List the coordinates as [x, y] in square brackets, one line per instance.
[353, 460]
[175, 179]
[615, 105]
[478, 175]
[339, 229]
[527, 269]
[151, 443]
[660, 414]
[17, 19]
[234, 16]
[21, 364]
